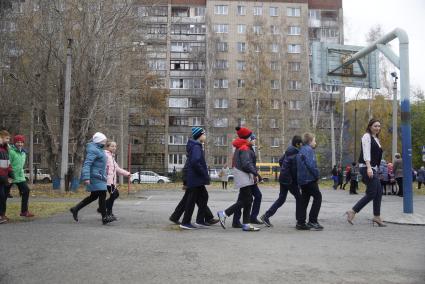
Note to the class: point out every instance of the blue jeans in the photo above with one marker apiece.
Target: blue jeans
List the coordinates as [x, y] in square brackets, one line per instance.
[295, 191]
[256, 193]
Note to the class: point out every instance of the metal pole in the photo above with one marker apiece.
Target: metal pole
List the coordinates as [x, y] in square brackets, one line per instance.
[129, 166]
[355, 131]
[31, 156]
[332, 132]
[395, 106]
[66, 110]
[121, 179]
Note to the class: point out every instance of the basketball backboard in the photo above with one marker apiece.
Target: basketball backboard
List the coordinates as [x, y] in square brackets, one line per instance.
[327, 58]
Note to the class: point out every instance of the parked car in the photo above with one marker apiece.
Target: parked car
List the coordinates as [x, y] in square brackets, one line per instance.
[40, 177]
[215, 175]
[148, 177]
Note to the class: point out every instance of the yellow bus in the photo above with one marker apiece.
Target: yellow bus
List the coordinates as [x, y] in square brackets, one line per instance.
[268, 171]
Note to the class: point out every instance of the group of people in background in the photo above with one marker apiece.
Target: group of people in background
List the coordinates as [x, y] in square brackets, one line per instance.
[351, 176]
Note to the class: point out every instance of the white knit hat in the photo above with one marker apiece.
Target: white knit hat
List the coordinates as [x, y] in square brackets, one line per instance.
[99, 137]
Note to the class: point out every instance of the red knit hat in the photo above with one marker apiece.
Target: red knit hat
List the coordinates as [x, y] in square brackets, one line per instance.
[19, 138]
[243, 132]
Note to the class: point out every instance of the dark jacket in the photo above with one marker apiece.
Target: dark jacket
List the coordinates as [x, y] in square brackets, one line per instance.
[306, 165]
[244, 158]
[197, 171]
[5, 166]
[94, 167]
[288, 166]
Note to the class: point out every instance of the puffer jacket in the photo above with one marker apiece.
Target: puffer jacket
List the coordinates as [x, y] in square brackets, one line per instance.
[244, 163]
[307, 165]
[5, 166]
[94, 167]
[383, 171]
[197, 171]
[112, 169]
[398, 168]
[17, 160]
[288, 166]
[421, 175]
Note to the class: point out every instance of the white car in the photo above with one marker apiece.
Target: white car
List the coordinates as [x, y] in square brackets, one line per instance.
[43, 177]
[148, 177]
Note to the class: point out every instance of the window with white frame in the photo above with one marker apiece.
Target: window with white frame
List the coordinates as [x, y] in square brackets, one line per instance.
[275, 104]
[274, 123]
[221, 103]
[294, 48]
[294, 85]
[222, 46]
[294, 66]
[241, 83]
[200, 11]
[241, 46]
[293, 12]
[177, 139]
[196, 121]
[274, 65]
[241, 29]
[273, 12]
[294, 30]
[274, 84]
[329, 32]
[275, 47]
[221, 9]
[187, 83]
[275, 142]
[294, 123]
[274, 159]
[241, 10]
[241, 121]
[241, 65]
[176, 159]
[178, 121]
[221, 28]
[220, 140]
[178, 102]
[258, 11]
[257, 47]
[256, 29]
[295, 105]
[220, 160]
[220, 122]
[221, 83]
[274, 29]
[221, 64]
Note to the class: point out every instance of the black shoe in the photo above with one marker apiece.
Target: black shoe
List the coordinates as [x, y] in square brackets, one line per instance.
[74, 213]
[315, 226]
[256, 221]
[106, 220]
[266, 220]
[302, 227]
[237, 226]
[174, 220]
[213, 221]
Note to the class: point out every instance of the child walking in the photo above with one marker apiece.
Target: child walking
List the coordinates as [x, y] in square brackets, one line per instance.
[6, 173]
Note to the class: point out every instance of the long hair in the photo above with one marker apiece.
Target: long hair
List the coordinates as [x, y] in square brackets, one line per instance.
[369, 125]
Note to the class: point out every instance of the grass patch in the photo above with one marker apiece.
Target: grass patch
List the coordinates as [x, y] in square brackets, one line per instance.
[38, 208]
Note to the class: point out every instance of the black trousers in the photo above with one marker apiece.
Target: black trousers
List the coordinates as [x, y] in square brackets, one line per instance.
[400, 186]
[3, 198]
[244, 202]
[295, 191]
[113, 194]
[373, 192]
[178, 212]
[310, 190]
[419, 184]
[196, 195]
[354, 185]
[101, 195]
[24, 191]
[224, 184]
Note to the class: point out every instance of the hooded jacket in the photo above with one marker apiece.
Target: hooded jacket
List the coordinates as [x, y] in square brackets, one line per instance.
[5, 166]
[306, 165]
[244, 163]
[94, 167]
[197, 171]
[288, 166]
[17, 160]
[112, 169]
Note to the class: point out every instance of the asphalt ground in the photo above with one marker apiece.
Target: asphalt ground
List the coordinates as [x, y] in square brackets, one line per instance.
[144, 247]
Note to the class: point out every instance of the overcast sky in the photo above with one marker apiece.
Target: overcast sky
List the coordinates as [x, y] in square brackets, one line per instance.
[361, 15]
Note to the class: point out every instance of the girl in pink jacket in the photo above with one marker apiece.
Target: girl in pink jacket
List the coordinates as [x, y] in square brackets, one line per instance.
[112, 169]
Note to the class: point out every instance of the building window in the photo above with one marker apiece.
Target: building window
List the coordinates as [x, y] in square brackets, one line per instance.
[256, 29]
[258, 11]
[275, 141]
[294, 85]
[221, 28]
[220, 160]
[295, 105]
[241, 29]
[241, 65]
[196, 103]
[241, 83]
[274, 123]
[200, 11]
[221, 9]
[176, 159]
[196, 121]
[275, 104]
[221, 103]
[274, 30]
[220, 122]
[221, 83]
[294, 48]
[294, 30]
[222, 46]
[273, 11]
[177, 140]
[241, 46]
[178, 102]
[240, 103]
[257, 47]
[220, 140]
[221, 64]
[274, 159]
[274, 65]
[294, 66]
[275, 47]
[274, 84]
[293, 12]
[187, 83]
[241, 10]
[294, 123]
[186, 65]
[178, 121]
[329, 32]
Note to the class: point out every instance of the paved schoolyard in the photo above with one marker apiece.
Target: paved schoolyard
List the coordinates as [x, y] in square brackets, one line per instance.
[143, 247]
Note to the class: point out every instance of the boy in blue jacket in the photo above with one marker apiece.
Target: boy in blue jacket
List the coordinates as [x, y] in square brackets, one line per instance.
[308, 176]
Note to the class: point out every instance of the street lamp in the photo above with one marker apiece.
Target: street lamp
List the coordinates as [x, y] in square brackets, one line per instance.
[355, 126]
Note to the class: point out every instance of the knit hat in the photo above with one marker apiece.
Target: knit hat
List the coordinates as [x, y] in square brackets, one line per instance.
[19, 138]
[197, 132]
[243, 132]
[99, 137]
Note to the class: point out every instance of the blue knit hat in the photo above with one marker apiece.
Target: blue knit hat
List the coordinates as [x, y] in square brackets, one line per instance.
[197, 132]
